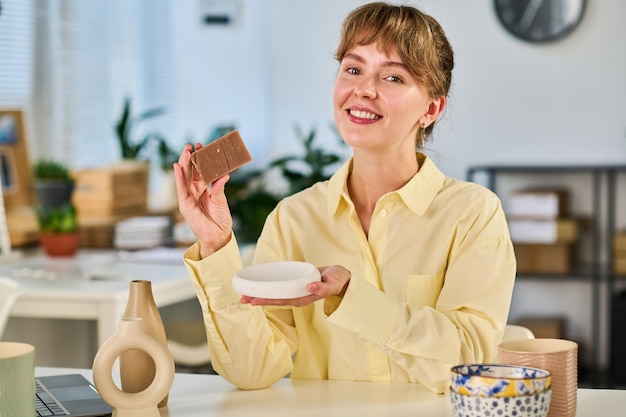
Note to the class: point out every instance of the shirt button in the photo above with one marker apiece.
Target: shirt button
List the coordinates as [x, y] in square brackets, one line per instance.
[383, 213]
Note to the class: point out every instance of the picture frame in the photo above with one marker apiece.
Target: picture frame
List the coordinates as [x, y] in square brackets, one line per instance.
[14, 161]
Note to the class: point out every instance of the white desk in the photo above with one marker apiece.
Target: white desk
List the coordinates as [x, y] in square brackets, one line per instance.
[92, 286]
[210, 395]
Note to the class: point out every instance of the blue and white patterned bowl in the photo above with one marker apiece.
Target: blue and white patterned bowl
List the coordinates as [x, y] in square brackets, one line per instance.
[535, 405]
[497, 380]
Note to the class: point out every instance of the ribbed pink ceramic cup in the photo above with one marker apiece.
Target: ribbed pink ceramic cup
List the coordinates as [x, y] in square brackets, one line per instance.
[560, 357]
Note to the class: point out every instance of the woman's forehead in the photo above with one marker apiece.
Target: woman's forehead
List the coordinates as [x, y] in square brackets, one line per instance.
[389, 49]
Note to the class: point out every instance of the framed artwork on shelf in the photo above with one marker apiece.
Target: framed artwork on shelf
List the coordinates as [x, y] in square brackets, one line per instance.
[14, 162]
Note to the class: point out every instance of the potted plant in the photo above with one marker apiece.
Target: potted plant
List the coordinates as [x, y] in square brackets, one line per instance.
[56, 215]
[58, 229]
[52, 183]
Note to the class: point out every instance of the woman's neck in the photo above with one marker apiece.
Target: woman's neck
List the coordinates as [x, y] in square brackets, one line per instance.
[372, 177]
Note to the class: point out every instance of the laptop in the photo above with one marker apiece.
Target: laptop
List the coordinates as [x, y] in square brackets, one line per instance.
[69, 395]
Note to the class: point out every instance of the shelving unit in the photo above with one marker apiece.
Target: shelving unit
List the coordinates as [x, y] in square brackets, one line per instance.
[603, 194]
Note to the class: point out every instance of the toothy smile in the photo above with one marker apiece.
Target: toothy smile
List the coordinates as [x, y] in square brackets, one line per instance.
[363, 114]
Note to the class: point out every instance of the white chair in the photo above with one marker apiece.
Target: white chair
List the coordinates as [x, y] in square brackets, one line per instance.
[516, 332]
[9, 290]
[186, 340]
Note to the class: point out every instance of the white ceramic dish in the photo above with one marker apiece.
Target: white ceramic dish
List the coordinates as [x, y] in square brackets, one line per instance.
[276, 280]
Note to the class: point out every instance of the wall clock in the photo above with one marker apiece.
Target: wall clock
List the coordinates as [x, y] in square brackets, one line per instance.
[539, 20]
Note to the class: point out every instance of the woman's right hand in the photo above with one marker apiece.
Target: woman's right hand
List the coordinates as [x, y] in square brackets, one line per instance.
[204, 208]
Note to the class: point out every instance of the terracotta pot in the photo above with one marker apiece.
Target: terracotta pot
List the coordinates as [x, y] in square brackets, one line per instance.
[59, 244]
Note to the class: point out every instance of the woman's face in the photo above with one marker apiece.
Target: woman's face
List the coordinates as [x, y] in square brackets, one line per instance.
[377, 102]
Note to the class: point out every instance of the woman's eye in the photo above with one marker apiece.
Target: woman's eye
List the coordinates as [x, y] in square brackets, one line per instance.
[394, 78]
[352, 71]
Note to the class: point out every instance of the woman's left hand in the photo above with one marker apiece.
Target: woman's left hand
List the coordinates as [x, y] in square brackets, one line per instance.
[335, 280]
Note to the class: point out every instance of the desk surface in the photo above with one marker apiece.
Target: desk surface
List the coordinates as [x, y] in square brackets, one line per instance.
[93, 285]
[210, 395]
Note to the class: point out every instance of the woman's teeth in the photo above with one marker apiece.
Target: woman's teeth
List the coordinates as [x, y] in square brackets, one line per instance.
[363, 115]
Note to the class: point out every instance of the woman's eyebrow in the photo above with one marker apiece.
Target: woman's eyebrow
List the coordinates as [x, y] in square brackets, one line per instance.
[389, 63]
[354, 56]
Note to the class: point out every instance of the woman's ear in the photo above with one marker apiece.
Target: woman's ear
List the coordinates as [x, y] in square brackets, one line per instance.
[435, 108]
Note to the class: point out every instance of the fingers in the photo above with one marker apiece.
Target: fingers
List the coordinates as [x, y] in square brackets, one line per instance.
[185, 174]
[295, 302]
[184, 161]
[182, 175]
[219, 184]
[181, 183]
[323, 289]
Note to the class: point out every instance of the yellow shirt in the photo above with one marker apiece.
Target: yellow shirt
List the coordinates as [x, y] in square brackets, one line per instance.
[431, 287]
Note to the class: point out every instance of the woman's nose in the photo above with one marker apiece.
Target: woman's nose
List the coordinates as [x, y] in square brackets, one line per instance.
[366, 88]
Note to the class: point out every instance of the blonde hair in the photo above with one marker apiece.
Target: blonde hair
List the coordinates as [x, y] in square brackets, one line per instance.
[417, 37]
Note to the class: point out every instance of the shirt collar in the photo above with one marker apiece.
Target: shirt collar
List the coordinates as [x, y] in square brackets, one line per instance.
[417, 194]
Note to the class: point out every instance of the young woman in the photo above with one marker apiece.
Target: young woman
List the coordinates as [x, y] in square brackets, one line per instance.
[417, 268]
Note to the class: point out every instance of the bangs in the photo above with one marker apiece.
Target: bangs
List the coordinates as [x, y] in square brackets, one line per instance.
[384, 26]
[385, 39]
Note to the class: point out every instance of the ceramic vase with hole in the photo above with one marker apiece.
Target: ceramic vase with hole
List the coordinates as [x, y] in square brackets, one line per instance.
[133, 335]
[137, 369]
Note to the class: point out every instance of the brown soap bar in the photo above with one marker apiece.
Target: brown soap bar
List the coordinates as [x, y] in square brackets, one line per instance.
[220, 157]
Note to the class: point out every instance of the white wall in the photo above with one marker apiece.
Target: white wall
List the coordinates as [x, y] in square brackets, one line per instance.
[511, 101]
[222, 73]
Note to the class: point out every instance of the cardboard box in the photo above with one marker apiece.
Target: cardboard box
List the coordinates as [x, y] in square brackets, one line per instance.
[550, 259]
[619, 253]
[543, 231]
[96, 232]
[22, 226]
[551, 327]
[119, 190]
[539, 204]
[619, 242]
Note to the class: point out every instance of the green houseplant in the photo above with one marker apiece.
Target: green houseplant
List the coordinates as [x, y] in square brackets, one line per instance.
[132, 147]
[302, 171]
[57, 220]
[56, 215]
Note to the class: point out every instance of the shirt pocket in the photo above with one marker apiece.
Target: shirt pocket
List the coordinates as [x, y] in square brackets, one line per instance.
[423, 290]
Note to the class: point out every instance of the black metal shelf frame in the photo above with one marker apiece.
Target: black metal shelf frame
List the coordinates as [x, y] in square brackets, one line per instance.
[597, 273]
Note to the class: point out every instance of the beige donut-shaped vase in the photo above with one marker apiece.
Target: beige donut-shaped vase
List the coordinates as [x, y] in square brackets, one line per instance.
[132, 335]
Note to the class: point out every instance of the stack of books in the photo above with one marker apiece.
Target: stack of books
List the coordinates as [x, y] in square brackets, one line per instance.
[143, 232]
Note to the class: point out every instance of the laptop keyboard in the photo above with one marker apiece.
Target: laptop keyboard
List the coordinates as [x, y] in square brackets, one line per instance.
[45, 404]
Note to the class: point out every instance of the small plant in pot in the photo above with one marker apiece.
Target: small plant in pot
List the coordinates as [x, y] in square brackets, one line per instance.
[58, 229]
[52, 182]
[56, 215]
